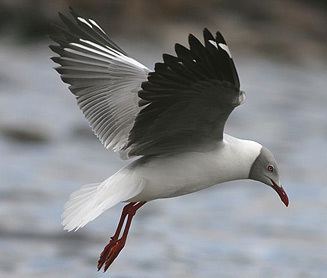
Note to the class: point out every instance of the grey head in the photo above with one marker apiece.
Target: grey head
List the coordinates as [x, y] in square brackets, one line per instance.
[265, 170]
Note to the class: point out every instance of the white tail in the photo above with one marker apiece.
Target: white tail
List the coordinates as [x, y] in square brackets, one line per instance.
[90, 201]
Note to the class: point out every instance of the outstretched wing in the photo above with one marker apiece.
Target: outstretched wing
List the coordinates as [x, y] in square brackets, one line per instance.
[187, 99]
[104, 79]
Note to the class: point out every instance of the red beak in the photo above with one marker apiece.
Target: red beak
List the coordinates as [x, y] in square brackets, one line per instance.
[281, 192]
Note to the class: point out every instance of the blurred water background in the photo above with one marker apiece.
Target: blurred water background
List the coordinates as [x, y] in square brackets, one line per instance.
[239, 229]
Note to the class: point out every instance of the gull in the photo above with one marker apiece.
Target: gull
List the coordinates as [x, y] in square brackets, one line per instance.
[169, 122]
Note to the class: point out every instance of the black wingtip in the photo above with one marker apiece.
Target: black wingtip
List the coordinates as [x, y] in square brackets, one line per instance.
[56, 59]
[207, 35]
[56, 48]
[178, 47]
[170, 58]
[182, 52]
[192, 38]
[194, 42]
[220, 38]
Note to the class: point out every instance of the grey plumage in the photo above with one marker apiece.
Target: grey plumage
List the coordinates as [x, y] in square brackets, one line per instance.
[259, 171]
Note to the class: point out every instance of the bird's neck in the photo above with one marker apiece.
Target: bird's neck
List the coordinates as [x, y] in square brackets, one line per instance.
[240, 155]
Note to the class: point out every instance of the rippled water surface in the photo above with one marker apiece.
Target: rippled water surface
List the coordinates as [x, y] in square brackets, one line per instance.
[239, 229]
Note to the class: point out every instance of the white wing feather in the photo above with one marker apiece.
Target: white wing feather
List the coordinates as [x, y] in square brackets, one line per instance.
[103, 78]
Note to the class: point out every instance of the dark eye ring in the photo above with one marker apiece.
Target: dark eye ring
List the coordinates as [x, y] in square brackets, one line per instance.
[270, 168]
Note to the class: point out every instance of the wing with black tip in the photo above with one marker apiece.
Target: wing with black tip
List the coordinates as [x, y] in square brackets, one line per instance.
[103, 78]
[187, 99]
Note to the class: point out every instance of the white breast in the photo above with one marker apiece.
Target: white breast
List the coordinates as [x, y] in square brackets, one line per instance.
[189, 172]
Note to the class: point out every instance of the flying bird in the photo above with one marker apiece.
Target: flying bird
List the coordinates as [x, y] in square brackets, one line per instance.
[170, 120]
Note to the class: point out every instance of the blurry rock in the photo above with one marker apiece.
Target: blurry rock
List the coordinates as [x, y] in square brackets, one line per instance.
[26, 134]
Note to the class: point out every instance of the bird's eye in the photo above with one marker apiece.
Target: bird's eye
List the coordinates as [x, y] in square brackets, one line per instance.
[270, 168]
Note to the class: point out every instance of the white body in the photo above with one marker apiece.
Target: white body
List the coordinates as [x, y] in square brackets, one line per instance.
[180, 174]
[163, 177]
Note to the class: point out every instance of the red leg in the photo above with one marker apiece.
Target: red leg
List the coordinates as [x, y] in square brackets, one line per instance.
[114, 238]
[116, 244]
